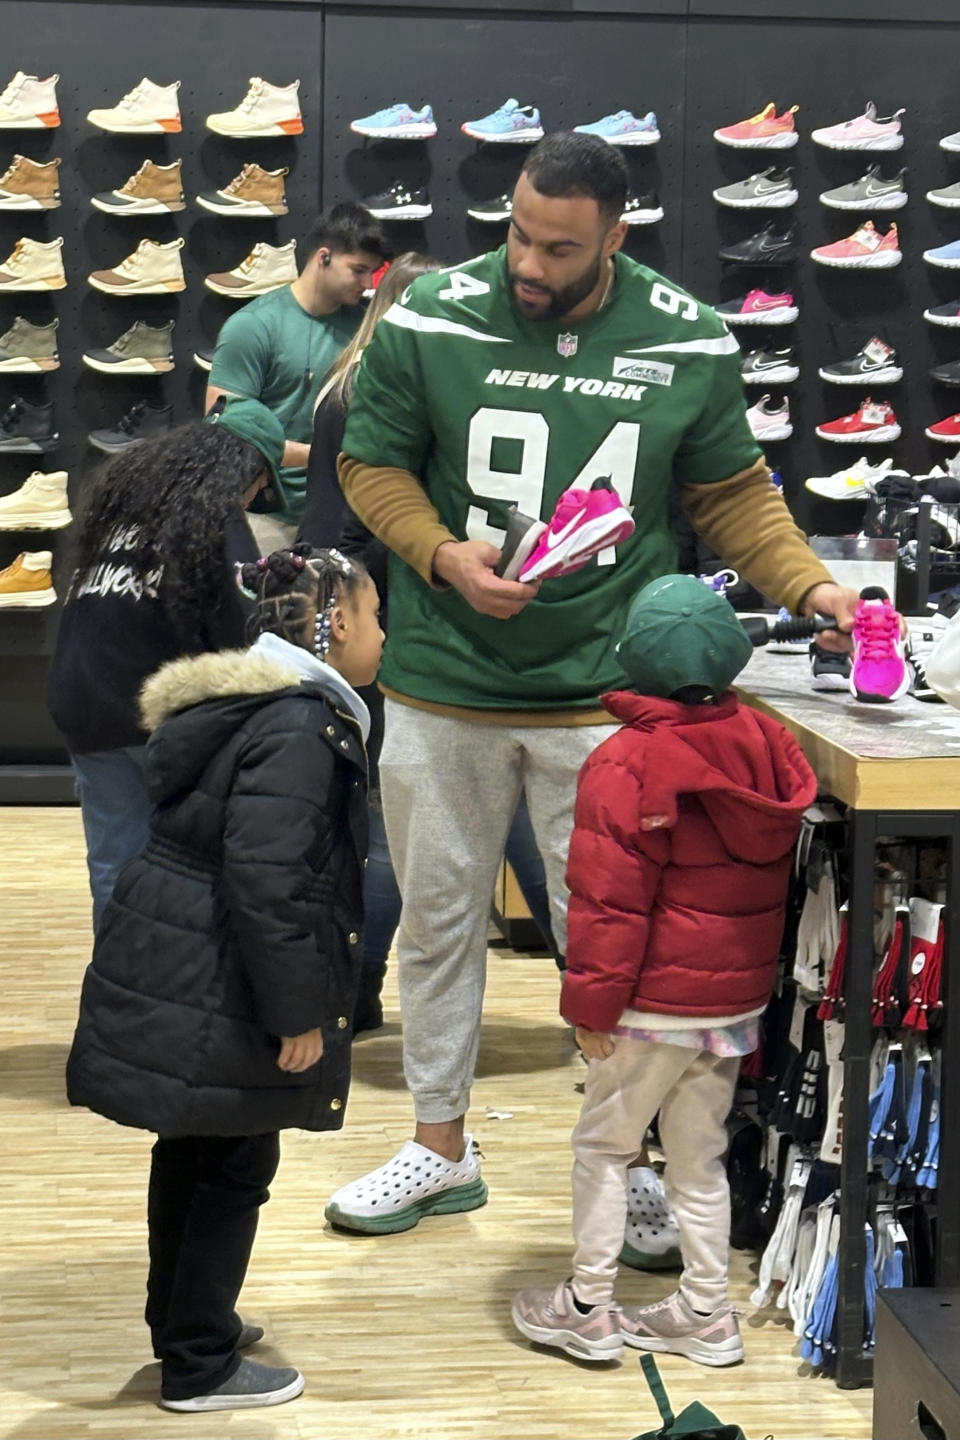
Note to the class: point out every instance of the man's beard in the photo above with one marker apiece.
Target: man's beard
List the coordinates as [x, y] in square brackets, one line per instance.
[561, 301]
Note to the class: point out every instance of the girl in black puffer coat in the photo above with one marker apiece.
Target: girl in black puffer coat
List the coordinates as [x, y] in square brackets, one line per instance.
[216, 1008]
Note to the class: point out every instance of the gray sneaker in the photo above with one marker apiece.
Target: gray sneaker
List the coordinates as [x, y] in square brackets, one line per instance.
[551, 1317]
[948, 198]
[770, 189]
[249, 1388]
[26, 349]
[142, 350]
[672, 1328]
[872, 191]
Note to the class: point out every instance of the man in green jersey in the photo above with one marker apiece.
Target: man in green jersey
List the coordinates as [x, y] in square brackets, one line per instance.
[278, 348]
[509, 379]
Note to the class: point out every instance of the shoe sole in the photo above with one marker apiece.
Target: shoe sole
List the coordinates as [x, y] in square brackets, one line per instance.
[882, 142]
[948, 203]
[30, 447]
[774, 432]
[421, 131]
[582, 544]
[139, 207]
[645, 1260]
[402, 212]
[943, 439]
[281, 127]
[894, 201]
[201, 1404]
[639, 137]
[866, 698]
[602, 1352]
[129, 367]
[785, 375]
[488, 219]
[252, 209]
[939, 263]
[882, 435]
[55, 282]
[243, 292]
[526, 137]
[786, 141]
[887, 261]
[27, 202]
[830, 682]
[33, 122]
[525, 548]
[829, 494]
[445, 1202]
[36, 520]
[950, 321]
[691, 1349]
[782, 315]
[157, 287]
[643, 217]
[29, 600]
[782, 200]
[203, 364]
[889, 376]
[944, 379]
[27, 365]
[143, 127]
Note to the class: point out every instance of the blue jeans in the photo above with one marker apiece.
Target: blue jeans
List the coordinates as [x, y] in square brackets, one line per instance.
[112, 790]
[381, 895]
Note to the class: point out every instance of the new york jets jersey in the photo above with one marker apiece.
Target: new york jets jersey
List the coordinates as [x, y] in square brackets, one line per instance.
[490, 409]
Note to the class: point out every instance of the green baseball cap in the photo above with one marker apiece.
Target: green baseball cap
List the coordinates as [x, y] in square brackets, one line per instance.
[250, 420]
[680, 632]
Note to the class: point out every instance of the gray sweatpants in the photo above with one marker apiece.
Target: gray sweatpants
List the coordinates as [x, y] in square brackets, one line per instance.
[450, 788]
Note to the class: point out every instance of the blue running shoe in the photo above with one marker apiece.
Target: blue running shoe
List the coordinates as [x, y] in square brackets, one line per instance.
[512, 123]
[397, 122]
[623, 128]
[946, 256]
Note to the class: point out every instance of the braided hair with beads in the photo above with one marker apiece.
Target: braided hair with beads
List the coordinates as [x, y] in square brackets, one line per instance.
[296, 591]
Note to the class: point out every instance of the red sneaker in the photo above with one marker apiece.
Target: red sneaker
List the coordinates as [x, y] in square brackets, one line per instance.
[872, 424]
[766, 131]
[865, 249]
[946, 431]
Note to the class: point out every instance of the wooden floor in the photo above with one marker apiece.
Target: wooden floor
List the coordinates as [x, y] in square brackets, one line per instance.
[404, 1336]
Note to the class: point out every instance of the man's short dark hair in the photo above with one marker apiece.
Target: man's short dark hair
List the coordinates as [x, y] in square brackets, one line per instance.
[564, 165]
[346, 229]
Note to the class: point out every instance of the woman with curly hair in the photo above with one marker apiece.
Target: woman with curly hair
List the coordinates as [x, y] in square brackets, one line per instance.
[155, 550]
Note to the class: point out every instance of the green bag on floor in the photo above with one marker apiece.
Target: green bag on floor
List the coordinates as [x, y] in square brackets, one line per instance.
[696, 1422]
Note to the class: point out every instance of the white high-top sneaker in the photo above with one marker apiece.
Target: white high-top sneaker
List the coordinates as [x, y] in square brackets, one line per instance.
[152, 269]
[29, 103]
[147, 109]
[28, 583]
[34, 265]
[40, 503]
[267, 267]
[265, 110]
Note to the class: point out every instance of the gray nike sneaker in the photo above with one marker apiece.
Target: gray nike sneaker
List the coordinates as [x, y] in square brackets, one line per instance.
[770, 189]
[872, 191]
[948, 198]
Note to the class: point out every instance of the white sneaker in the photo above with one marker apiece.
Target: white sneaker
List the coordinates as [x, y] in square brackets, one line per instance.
[39, 504]
[147, 109]
[265, 110]
[855, 482]
[267, 267]
[651, 1239]
[152, 269]
[29, 103]
[415, 1183]
[768, 422]
[34, 265]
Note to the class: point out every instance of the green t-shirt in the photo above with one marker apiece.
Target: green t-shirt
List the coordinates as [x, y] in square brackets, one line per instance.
[273, 350]
[489, 409]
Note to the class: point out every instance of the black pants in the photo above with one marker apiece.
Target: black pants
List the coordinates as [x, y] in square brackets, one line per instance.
[202, 1211]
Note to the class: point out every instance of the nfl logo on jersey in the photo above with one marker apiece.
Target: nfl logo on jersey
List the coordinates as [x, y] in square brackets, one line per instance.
[567, 345]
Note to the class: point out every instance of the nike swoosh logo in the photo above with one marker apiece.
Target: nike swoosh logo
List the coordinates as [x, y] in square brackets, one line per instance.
[766, 186]
[769, 364]
[880, 189]
[555, 536]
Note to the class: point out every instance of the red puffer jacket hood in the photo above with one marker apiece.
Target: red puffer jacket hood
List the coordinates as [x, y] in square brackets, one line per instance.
[680, 859]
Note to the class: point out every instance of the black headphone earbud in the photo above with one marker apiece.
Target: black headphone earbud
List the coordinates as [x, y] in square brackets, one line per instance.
[324, 259]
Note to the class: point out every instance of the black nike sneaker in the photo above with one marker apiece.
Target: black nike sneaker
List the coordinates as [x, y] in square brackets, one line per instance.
[948, 374]
[764, 248]
[876, 362]
[770, 367]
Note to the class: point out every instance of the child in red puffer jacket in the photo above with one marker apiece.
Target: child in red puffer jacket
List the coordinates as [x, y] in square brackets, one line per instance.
[679, 865]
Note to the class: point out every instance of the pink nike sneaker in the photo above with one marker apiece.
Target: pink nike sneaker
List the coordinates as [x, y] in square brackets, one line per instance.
[868, 131]
[865, 249]
[880, 672]
[584, 523]
[758, 308]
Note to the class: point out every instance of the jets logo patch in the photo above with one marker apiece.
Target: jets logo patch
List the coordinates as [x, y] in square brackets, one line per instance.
[652, 372]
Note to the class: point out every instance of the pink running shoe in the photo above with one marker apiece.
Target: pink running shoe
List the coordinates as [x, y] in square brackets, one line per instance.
[758, 308]
[865, 132]
[671, 1327]
[865, 249]
[584, 523]
[550, 1317]
[766, 131]
[880, 671]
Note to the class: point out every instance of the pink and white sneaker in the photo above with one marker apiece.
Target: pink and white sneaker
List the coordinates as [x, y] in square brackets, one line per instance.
[946, 431]
[758, 308]
[870, 425]
[865, 249]
[671, 1327]
[868, 131]
[584, 523]
[769, 419]
[765, 131]
[880, 672]
[551, 1317]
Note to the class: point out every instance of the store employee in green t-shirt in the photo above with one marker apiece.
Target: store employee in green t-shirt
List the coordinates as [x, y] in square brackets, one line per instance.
[278, 348]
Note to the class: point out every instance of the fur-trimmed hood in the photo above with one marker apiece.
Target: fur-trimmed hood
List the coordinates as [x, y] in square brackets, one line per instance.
[195, 678]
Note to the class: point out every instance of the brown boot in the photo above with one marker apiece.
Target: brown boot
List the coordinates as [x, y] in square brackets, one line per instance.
[253, 192]
[153, 190]
[28, 185]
